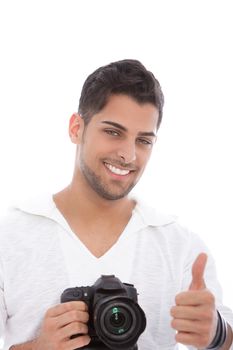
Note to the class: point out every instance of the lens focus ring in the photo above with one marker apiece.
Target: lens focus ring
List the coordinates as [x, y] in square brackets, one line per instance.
[118, 321]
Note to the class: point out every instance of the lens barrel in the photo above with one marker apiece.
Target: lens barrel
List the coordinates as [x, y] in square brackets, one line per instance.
[118, 322]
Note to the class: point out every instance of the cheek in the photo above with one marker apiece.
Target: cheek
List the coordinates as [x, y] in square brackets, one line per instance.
[143, 157]
[92, 152]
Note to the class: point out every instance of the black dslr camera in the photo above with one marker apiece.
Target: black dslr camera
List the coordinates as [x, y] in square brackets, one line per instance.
[116, 320]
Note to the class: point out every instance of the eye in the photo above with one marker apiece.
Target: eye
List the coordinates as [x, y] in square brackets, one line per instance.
[112, 132]
[145, 142]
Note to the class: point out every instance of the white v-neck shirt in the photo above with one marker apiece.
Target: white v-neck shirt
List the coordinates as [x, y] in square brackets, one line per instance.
[40, 256]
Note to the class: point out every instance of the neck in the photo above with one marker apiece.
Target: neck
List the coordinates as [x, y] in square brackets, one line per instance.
[80, 200]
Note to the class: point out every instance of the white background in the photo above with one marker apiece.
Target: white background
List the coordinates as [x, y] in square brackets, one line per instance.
[47, 50]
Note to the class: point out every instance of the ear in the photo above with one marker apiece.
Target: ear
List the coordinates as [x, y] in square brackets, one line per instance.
[76, 127]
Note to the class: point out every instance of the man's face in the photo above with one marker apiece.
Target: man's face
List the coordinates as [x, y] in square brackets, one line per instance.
[115, 146]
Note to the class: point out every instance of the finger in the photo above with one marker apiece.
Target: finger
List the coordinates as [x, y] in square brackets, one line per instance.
[72, 316]
[187, 326]
[198, 270]
[190, 312]
[195, 298]
[65, 307]
[193, 339]
[78, 342]
[73, 329]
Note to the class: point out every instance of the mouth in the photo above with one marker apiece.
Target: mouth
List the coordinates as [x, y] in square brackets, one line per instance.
[117, 171]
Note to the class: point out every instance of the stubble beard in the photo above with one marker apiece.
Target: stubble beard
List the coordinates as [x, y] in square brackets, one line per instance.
[101, 188]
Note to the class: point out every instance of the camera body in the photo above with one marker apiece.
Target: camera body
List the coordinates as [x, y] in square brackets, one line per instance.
[115, 318]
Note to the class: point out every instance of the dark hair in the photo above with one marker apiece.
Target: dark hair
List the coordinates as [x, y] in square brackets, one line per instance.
[128, 77]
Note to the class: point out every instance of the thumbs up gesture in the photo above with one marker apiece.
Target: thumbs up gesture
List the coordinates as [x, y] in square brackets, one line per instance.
[194, 315]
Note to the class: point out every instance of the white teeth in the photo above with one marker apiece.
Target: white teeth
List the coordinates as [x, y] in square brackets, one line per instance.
[116, 171]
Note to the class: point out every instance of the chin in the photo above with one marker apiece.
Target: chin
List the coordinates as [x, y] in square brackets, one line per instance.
[115, 196]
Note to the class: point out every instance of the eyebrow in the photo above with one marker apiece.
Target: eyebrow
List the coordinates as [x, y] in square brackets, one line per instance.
[123, 128]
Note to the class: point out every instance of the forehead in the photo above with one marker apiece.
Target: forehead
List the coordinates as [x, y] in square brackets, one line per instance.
[127, 112]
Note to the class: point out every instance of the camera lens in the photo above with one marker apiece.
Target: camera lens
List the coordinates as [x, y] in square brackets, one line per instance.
[118, 320]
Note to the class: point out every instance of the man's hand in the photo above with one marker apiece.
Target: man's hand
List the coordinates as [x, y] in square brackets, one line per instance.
[194, 316]
[60, 323]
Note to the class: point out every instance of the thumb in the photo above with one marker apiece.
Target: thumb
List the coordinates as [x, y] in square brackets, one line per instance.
[198, 270]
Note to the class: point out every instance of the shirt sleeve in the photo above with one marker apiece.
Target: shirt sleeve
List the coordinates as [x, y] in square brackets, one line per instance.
[3, 312]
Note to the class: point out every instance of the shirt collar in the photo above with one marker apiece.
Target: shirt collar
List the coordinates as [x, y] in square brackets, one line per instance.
[44, 205]
[151, 216]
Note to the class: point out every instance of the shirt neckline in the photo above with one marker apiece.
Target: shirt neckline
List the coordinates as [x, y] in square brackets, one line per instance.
[44, 205]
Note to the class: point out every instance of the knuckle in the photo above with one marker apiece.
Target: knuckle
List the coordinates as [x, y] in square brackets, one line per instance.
[79, 328]
[206, 314]
[178, 299]
[48, 326]
[82, 306]
[48, 313]
[209, 297]
[73, 314]
[202, 314]
[86, 317]
[209, 315]
[67, 306]
[204, 329]
[76, 315]
[174, 323]
[179, 337]
[173, 311]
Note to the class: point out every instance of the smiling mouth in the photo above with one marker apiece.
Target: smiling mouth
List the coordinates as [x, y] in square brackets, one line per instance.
[117, 171]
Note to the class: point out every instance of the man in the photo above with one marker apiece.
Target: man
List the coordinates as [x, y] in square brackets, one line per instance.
[93, 227]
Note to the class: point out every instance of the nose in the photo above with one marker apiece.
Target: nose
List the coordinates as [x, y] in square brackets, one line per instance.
[127, 152]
